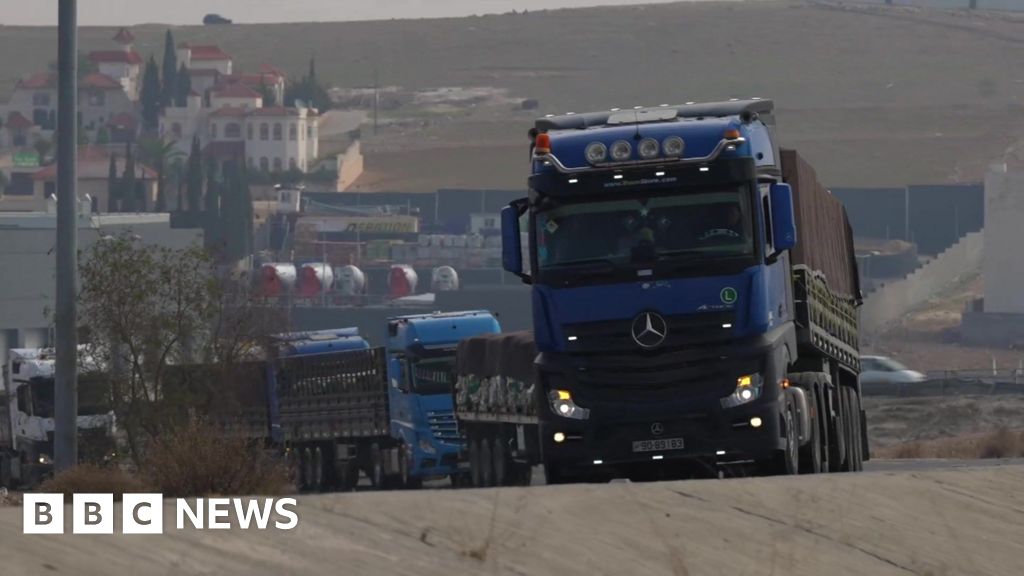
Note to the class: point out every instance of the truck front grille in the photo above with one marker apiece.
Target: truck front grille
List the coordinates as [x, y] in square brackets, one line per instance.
[443, 425]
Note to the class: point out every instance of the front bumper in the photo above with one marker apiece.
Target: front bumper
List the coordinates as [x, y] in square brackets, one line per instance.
[715, 434]
[444, 461]
[673, 396]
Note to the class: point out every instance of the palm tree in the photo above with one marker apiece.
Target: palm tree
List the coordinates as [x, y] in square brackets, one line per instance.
[160, 155]
[43, 147]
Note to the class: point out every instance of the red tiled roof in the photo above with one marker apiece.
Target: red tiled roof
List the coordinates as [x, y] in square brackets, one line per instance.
[275, 111]
[123, 120]
[208, 53]
[124, 36]
[16, 121]
[94, 164]
[115, 56]
[251, 80]
[99, 82]
[272, 70]
[229, 112]
[236, 90]
[38, 81]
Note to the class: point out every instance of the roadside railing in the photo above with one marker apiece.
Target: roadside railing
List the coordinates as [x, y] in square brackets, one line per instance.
[953, 383]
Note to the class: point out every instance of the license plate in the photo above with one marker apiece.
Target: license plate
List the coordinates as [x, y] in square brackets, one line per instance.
[658, 445]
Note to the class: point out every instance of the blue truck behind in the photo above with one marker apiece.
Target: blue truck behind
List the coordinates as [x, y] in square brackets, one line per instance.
[695, 301]
[341, 409]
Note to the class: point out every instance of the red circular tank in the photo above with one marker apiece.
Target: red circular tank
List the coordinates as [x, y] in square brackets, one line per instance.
[402, 281]
[314, 280]
[273, 280]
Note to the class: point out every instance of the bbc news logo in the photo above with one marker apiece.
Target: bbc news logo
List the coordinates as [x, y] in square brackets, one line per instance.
[144, 514]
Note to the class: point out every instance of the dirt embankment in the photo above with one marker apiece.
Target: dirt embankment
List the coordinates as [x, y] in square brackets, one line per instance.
[964, 521]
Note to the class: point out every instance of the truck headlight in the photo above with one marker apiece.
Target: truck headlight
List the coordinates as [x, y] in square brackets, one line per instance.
[563, 405]
[45, 459]
[748, 389]
[427, 447]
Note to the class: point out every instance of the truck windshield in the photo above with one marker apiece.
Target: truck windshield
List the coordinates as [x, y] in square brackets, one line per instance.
[644, 229]
[433, 375]
[92, 397]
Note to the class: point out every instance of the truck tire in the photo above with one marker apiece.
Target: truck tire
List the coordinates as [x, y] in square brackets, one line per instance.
[475, 466]
[858, 431]
[836, 430]
[348, 476]
[486, 463]
[501, 465]
[789, 463]
[305, 470]
[377, 476]
[318, 470]
[847, 431]
[810, 453]
[408, 481]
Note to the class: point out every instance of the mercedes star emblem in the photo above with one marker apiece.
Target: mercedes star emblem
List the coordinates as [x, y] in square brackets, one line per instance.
[649, 330]
[657, 429]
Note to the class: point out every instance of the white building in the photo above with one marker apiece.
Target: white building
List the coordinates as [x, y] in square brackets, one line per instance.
[101, 98]
[205, 58]
[123, 64]
[282, 138]
[26, 249]
[234, 121]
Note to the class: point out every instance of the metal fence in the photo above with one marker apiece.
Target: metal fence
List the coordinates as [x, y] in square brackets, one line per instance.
[953, 383]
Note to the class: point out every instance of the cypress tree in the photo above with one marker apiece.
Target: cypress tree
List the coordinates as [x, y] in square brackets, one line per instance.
[170, 71]
[194, 177]
[113, 187]
[128, 194]
[182, 86]
[151, 95]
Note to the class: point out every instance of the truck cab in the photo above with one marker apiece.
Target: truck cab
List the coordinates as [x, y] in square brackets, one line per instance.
[658, 247]
[27, 417]
[421, 373]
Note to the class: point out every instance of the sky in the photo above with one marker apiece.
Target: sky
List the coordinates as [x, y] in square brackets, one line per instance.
[126, 12]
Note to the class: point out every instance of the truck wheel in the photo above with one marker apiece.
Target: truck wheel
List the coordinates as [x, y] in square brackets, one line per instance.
[846, 463]
[810, 454]
[555, 474]
[377, 477]
[501, 468]
[836, 431]
[348, 476]
[486, 463]
[305, 470]
[408, 481]
[858, 432]
[475, 465]
[788, 462]
[318, 470]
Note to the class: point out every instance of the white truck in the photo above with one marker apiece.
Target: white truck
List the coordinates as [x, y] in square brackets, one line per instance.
[27, 417]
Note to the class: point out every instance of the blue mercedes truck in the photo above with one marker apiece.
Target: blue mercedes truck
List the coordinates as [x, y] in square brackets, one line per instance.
[421, 372]
[695, 298]
[343, 409]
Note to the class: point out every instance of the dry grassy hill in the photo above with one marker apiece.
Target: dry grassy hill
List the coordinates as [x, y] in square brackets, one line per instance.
[873, 95]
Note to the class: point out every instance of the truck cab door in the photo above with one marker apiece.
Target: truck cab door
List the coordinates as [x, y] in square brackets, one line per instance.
[401, 398]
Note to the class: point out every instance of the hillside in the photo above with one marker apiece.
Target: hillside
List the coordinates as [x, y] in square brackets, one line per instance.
[874, 96]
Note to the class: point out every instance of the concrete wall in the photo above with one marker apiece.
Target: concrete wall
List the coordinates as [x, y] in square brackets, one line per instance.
[992, 329]
[894, 299]
[29, 265]
[1004, 237]
[350, 166]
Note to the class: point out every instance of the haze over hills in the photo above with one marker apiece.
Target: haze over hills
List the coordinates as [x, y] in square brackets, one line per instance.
[874, 96]
[131, 12]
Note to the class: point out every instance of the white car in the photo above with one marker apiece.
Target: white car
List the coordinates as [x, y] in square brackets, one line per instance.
[883, 370]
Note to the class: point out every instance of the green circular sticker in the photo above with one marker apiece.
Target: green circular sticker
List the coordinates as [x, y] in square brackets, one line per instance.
[728, 295]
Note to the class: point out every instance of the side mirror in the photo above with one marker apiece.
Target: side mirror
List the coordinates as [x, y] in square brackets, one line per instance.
[511, 239]
[783, 219]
